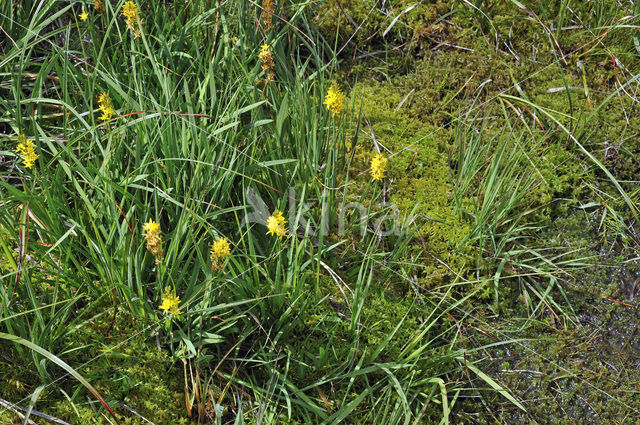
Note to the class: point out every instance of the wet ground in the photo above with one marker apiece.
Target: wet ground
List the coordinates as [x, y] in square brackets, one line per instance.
[581, 367]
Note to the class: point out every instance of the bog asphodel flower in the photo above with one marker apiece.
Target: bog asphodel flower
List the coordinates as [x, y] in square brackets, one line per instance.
[276, 224]
[104, 104]
[170, 302]
[335, 99]
[266, 57]
[27, 149]
[267, 14]
[131, 17]
[98, 4]
[83, 16]
[378, 167]
[220, 251]
[153, 235]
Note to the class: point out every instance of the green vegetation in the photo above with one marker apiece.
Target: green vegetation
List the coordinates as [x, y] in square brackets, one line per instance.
[489, 277]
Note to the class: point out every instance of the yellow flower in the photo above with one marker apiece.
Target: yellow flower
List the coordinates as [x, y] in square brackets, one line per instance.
[130, 13]
[170, 302]
[27, 149]
[220, 250]
[83, 16]
[266, 57]
[153, 234]
[378, 167]
[335, 99]
[276, 224]
[104, 104]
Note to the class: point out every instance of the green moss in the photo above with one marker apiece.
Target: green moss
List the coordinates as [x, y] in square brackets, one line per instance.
[128, 369]
[418, 176]
[354, 22]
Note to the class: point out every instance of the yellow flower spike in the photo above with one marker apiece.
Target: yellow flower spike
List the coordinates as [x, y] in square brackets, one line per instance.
[335, 99]
[83, 16]
[27, 149]
[220, 250]
[378, 167]
[266, 57]
[170, 302]
[104, 104]
[131, 17]
[276, 224]
[153, 235]
[267, 15]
